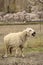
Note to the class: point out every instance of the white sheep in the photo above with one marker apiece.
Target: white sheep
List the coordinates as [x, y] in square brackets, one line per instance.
[34, 16]
[27, 17]
[15, 17]
[7, 16]
[1, 18]
[17, 40]
[21, 16]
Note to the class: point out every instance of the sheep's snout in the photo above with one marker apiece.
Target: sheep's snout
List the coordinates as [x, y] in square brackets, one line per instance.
[33, 34]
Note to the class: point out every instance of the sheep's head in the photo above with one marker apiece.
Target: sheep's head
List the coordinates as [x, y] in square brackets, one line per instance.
[30, 31]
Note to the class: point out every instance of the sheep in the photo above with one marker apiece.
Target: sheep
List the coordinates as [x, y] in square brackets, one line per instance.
[34, 16]
[31, 17]
[17, 40]
[21, 16]
[27, 17]
[1, 18]
[7, 16]
[15, 17]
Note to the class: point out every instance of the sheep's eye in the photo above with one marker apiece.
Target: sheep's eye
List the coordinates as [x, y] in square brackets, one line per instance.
[30, 30]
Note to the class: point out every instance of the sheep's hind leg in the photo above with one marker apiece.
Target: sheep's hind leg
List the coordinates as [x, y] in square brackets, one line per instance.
[6, 53]
[21, 48]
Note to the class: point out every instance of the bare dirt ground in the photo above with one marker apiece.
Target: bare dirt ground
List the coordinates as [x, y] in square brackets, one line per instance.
[32, 58]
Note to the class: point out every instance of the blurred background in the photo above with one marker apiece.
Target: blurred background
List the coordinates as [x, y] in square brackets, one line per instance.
[20, 5]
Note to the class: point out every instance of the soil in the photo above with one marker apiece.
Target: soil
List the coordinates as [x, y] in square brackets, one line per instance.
[33, 58]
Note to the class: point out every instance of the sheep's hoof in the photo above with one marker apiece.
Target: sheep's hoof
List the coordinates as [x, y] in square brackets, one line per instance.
[5, 56]
[23, 55]
[16, 56]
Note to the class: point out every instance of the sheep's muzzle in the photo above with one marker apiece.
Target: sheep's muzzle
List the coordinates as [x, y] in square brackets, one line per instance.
[34, 33]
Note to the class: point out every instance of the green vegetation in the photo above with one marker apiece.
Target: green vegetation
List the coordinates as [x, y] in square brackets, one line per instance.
[35, 44]
[38, 49]
[20, 23]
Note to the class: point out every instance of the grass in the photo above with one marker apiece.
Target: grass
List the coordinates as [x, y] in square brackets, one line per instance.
[38, 49]
[35, 44]
[20, 23]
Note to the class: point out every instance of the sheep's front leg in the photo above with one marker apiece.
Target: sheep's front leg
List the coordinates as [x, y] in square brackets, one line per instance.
[22, 53]
[18, 52]
[6, 53]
